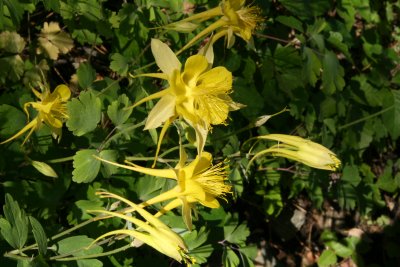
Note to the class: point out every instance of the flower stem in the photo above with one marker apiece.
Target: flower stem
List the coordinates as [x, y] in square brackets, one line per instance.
[365, 118]
[91, 256]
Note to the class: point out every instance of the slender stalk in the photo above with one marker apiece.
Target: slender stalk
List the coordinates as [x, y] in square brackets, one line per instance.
[61, 160]
[91, 256]
[365, 118]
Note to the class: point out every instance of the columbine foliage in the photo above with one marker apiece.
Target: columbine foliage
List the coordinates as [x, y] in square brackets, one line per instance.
[317, 81]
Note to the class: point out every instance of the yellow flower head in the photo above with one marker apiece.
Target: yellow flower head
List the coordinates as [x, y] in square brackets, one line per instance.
[243, 20]
[51, 110]
[301, 150]
[152, 231]
[197, 93]
[198, 181]
[234, 18]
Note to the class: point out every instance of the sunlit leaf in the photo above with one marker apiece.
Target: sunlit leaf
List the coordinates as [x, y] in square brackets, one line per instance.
[86, 167]
[84, 113]
[117, 112]
[54, 41]
[39, 234]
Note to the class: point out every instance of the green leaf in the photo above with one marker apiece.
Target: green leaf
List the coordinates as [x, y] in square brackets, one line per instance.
[119, 64]
[86, 167]
[11, 120]
[248, 255]
[236, 234]
[110, 155]
[44, 168]
[332, 75]
[52, 5]
[11, 42]
[351, 175]
[54, 41]
[391, 118]
[17, 228]
[15, 10]
[312, 66]
[39, 234]
[77, 246]
[229, 258]
[336, 39]
[116, 110]
[7, 233]
[12, 67]
[84, 36]
[194, 240]
[84, 113]
[306, 8]
[291, 22]
[328, 258]
[340, 249]
[386, 181]
[86, 75]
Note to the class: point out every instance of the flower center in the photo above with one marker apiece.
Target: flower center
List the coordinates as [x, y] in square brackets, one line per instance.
[212, 180]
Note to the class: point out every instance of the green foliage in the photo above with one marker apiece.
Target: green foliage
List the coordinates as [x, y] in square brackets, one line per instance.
[333, 65]
[85, 113]
[14, 227]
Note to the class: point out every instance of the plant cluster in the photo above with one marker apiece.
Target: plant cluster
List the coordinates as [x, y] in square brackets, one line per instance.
[229, 78]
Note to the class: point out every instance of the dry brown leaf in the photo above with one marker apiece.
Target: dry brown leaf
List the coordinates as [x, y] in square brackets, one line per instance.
[54, 41]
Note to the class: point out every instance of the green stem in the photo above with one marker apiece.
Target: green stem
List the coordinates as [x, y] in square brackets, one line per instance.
[92, 255]
[34, 246]
[123, 131]
[17, 257]
[60, 160]
[365, 118]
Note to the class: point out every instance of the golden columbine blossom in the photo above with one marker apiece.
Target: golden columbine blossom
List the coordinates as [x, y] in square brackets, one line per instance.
[199, 181]
[51, 110]
[152, 231]
[301, 150]
[235, 18]
[198, 93]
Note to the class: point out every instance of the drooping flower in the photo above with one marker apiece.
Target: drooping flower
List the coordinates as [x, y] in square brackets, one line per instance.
[51, 110]
[301, 150]
[234, 18]
[198, 93]
[152, 231]
[198, 181]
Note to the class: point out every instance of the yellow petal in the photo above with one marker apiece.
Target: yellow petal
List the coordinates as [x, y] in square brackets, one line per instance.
[161, 112]
[165, 173]
[52, 121]
[161, 137]
[194, 67]
[201, 136]
[152, 75]
[187, 213]
[165, 58]
[30, 126]
[208, 52]
[63, 92]
[150, 97]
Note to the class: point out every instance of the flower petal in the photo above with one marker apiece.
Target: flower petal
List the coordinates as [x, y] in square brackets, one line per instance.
[63, 92]
[194, 67]
[30, 126]
[165, 173]
[201, 136]
[165, 58]
[161, 112]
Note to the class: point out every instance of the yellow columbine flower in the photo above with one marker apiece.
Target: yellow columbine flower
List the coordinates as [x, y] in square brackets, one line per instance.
[199, 181]
[152, 231]
[51, 110]
[198, 93]
[301, 150]
[235, 19]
